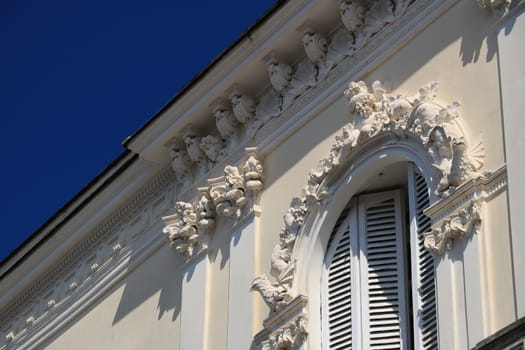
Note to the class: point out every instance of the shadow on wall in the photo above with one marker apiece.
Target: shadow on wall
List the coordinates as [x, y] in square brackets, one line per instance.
[159, 273]
[165, 271]
[443, 32]
[472, 40]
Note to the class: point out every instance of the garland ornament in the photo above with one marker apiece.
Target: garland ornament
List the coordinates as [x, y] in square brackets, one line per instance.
[375, 112]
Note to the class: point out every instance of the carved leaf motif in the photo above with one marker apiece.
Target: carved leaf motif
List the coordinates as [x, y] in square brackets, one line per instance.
[380, 14]
[280, 74]
[464, 223]
[340, 47]
[182, 230]
[269, 106]
[213, 147]
[375, 112]
[303, 78]
[243, 107]
[315, 45]
[181, 165]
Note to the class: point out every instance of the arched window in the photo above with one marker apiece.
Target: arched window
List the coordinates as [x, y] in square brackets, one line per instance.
[378, 281]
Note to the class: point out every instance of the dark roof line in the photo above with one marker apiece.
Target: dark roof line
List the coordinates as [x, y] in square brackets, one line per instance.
[76, 207]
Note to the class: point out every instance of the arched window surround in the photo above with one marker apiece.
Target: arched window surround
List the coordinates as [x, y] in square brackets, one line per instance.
[312, 241]
[383, 129]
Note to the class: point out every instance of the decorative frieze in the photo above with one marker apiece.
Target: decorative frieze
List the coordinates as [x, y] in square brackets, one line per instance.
[239, 123]
[92, 257]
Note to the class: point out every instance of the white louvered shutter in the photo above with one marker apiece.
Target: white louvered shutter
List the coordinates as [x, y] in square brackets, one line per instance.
[339, 286]
[423, 280]
[382, 268]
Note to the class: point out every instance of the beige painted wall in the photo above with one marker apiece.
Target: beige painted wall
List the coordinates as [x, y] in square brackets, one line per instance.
[141, 312]
[459, 51]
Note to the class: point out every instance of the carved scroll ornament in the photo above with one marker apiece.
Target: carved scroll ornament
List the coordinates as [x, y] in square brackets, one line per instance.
[373, 113]
[288, 337]
[463, 224]
[227, 196]
[182, 229]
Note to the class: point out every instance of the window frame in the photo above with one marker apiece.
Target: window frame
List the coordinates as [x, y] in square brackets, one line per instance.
[410, 332]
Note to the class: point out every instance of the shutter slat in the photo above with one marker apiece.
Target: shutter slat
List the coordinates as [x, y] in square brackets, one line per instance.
[339, 290]
[383, 273]
[424, 298]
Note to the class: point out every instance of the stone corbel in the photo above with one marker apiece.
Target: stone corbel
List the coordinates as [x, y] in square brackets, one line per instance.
[181, 164]
[213, 147]
[352, 14]
[462, 224]
[193, 148]
[286, 329]
[280, 73]
[182, 230]
[243, 105]
[205, 211]
[315, 45]
[244, 108]
[252, 171]
[226, 122]
[459, 215]
[232, 192]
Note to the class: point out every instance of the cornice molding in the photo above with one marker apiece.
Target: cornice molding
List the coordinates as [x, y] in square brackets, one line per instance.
[240, 119]
[98, 253]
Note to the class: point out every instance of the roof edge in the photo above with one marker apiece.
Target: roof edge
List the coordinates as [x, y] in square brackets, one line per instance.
[67, 211]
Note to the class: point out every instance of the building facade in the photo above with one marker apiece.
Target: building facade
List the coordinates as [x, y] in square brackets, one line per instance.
[344, 176]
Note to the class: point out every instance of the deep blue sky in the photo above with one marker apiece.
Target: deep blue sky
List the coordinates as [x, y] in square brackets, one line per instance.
[78, 77]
